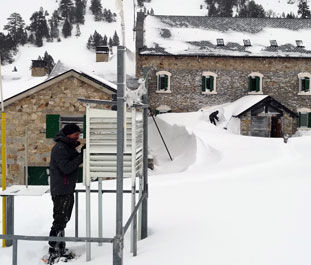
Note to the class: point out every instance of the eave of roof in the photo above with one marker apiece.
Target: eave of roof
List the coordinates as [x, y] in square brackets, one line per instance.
[59, 77]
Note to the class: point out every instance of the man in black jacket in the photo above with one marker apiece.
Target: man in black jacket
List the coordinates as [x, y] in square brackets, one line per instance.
[64, 164]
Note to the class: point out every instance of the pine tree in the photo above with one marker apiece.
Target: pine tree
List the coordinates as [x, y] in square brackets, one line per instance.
[24, 38]
[96, 8]
[66, 9]
[5, 49]
[39, 26]
[110, 42]
[38, 40]
[151, 12]
[78, 31]
[225, 8]
[90, 43]
[97, 39]
[50, 61]
[115, 39]
[303, 9]
[67, 28]
[31, 38]
[79, 11]
[54, 24]
[251, 9]
[105, 40]
[15, 27]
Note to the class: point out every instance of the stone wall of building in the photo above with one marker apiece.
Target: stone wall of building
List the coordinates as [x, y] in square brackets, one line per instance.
[246, 124]
[280, 80]
[30, 112]
[39, 71]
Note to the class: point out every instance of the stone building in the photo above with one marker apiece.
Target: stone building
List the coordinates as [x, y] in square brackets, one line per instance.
[194, 62]
[40, 112]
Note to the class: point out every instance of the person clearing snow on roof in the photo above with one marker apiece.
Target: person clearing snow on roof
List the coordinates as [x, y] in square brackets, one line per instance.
[213, 117]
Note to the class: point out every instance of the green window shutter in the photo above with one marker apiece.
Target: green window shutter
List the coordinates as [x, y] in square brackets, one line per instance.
[299, 119]
[307, 84]
[211, 83]
[309, 120]
[84, 126]
[52, 125]
[203, 83]
[250, 84]
[257, 84]
[165, 82]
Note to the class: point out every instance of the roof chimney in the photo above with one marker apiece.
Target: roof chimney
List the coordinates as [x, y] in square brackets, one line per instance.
[39, 68]
[102, 54]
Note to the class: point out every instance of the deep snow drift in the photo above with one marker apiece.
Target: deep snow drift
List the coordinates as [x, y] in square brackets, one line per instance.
[225, 199]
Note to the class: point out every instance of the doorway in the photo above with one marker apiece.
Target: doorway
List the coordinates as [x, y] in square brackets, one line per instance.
[276, 127]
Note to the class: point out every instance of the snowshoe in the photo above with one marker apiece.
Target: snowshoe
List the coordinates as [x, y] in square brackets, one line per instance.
[55, 256]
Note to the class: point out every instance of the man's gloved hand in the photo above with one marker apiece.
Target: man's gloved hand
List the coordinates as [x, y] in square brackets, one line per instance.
[83, 147]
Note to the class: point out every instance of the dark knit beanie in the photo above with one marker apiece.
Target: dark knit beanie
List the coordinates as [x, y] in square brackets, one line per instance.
[71, 128]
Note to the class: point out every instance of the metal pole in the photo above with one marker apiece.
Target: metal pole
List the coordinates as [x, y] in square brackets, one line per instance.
[10, 218]
[88, 221]
[133, 201]
[26, 157]
[14, 251]
[144, 207]
[76, 214]
[100, 209]
[118, 242]
[161, 137]
[3, 160]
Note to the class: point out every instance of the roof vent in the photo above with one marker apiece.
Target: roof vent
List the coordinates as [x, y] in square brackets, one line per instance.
[299, 44]
[220, 42]
[273, 43]
[247, 43]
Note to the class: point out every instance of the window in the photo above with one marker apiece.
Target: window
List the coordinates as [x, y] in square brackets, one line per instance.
[255, 83]
[55, 122]
[247, 43]
[304, 83]
[220, 42]
[299, 44]
[163, 82]
[79, 120]
[209, 83]
[304, 120]
[273, 43]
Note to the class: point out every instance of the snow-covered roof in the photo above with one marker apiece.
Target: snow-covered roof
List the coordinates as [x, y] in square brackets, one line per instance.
[244, 103]
[61, 68]
[59, 72]
[197, 35]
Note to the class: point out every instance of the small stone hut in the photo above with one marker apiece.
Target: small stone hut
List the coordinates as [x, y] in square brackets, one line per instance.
[34, 116]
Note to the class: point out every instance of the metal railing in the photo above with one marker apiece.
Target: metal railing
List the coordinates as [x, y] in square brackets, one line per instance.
[16, 238]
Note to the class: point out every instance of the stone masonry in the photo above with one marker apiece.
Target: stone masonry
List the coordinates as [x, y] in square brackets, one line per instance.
[280, 80]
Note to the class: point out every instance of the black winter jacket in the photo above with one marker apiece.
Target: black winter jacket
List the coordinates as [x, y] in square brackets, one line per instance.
[64, 164]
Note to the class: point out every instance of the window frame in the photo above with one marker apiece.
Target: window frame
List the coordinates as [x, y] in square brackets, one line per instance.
[254, 75]
[55, 122]
[208, 74]
[304, 111]
[301, 77]
[158, 75]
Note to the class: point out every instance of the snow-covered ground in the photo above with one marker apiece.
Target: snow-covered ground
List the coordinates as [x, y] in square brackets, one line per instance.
[224, 199]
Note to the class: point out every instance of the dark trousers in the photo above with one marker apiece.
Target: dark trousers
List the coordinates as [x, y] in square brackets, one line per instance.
[62, 209]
